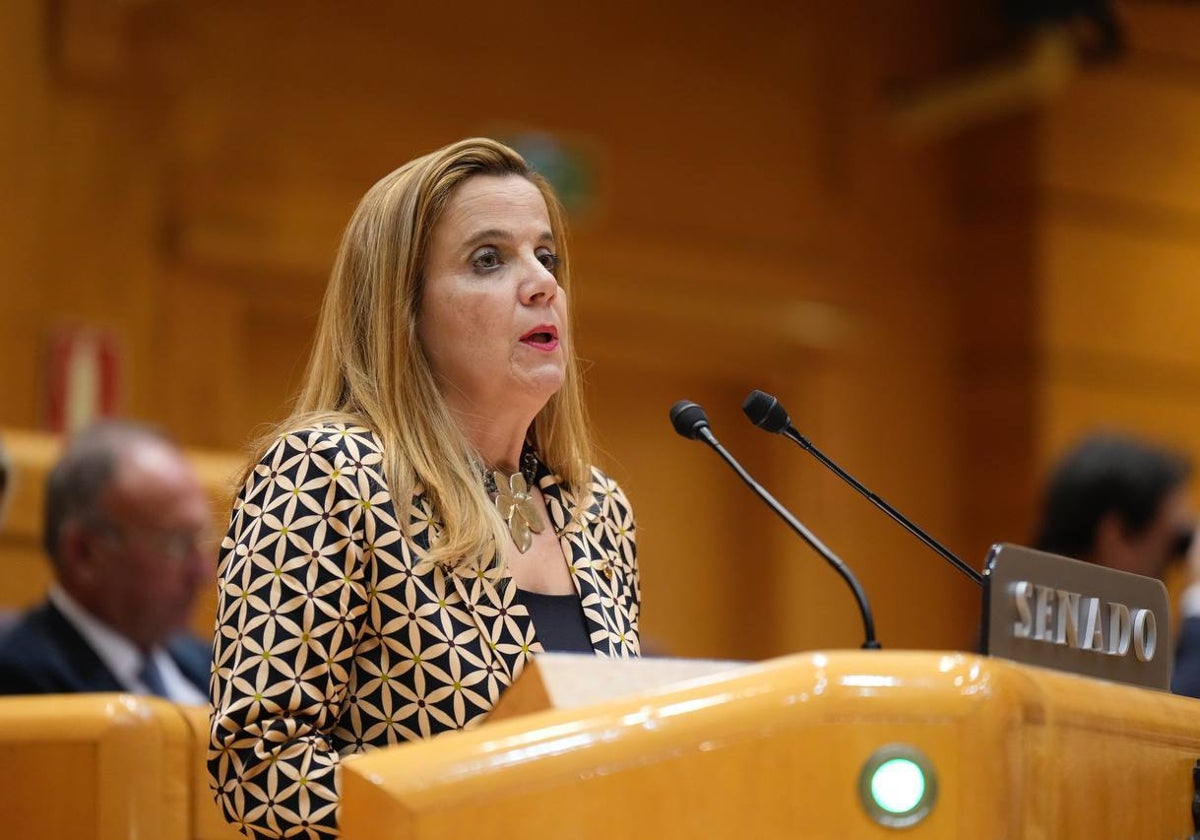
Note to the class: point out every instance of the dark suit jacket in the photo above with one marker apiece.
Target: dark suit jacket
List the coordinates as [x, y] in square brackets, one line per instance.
[1186, 676]
[43, 653]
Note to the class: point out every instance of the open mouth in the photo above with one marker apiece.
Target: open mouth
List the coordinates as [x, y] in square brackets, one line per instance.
[542, 337]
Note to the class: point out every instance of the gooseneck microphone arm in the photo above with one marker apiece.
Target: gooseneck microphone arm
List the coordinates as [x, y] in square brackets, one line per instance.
[691, 422]
[764, 411]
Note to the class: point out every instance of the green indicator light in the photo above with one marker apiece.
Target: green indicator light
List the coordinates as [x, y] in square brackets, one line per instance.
[898, 785]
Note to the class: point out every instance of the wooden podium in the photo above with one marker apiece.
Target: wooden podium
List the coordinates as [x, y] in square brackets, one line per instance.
[778, 749]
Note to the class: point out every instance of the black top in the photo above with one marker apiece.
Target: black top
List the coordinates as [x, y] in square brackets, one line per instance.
[557, 620]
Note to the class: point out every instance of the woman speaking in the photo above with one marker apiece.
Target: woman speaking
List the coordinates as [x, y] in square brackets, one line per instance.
[428, 517]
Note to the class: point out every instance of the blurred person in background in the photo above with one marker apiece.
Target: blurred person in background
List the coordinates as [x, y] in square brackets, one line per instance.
[1119, 502]
[429, 516]
[1185, 679]
[125, 529]
[5, 480]
[7, 617]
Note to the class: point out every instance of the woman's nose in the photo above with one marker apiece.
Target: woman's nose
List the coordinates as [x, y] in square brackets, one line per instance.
[540, 285]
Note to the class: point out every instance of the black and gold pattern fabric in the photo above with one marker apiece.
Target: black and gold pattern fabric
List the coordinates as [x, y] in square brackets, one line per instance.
[333, 637]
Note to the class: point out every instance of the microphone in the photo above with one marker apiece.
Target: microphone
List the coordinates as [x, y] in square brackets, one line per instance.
[764, 411]
[691, 422]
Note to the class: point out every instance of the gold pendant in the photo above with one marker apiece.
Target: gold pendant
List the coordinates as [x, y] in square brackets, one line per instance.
[518, 508]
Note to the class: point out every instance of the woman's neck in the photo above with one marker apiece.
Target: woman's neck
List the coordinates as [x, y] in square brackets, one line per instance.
[496, 433]
[497, 445]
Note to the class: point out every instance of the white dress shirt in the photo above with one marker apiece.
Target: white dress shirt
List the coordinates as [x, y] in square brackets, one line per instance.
[1189, 601]
[121, 656]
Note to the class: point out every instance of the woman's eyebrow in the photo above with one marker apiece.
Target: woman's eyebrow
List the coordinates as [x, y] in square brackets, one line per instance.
[496, 234]
[489, 234]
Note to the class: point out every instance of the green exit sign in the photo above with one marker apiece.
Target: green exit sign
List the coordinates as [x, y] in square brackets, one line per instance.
[569, 168]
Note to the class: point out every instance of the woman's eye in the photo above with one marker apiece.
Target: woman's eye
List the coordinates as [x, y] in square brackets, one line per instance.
[484, 260]
[549, 260]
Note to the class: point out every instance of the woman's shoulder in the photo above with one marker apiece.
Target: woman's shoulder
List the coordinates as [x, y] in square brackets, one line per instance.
[607, 495]
[339, 448]
[603, 483]
[332, 434]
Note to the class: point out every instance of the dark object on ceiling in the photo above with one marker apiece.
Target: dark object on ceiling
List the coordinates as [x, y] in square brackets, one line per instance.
[1094, 24]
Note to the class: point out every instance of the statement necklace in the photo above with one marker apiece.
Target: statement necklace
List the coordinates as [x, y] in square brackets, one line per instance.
[515, 502]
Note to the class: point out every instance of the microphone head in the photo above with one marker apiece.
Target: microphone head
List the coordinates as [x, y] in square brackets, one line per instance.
[765, 412]
[688, 419]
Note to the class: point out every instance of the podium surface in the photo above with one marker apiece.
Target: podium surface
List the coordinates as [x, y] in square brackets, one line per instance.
[778, 749]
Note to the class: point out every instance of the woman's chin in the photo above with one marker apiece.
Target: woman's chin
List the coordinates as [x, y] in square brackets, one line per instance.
[544, 384]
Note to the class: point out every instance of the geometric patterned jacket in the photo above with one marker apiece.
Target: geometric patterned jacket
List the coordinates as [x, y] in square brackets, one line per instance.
[332, 638]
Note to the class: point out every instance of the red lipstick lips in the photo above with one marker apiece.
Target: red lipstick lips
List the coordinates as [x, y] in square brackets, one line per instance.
[542, 337]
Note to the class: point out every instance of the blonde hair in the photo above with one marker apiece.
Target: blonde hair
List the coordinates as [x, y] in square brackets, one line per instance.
[367, 364]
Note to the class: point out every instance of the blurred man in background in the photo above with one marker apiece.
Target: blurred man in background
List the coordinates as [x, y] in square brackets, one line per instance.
[1186, 677]
[1121, 503]
[5, 477]
[126, 526]
[7, 617]
[1117, 502]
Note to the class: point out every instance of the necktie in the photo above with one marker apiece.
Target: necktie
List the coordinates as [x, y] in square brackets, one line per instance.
[152, 678]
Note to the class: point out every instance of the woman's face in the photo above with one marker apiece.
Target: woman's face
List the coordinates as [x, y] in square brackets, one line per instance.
[493, 319]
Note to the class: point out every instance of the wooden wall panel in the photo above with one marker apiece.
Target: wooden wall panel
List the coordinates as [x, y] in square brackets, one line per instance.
[999, 362]
[756, 223]
[1114, 291]
[1127, 135]
[24, 105]
[1162, 30]
[1118, 246]
[1079, 401]
[1118, 254]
